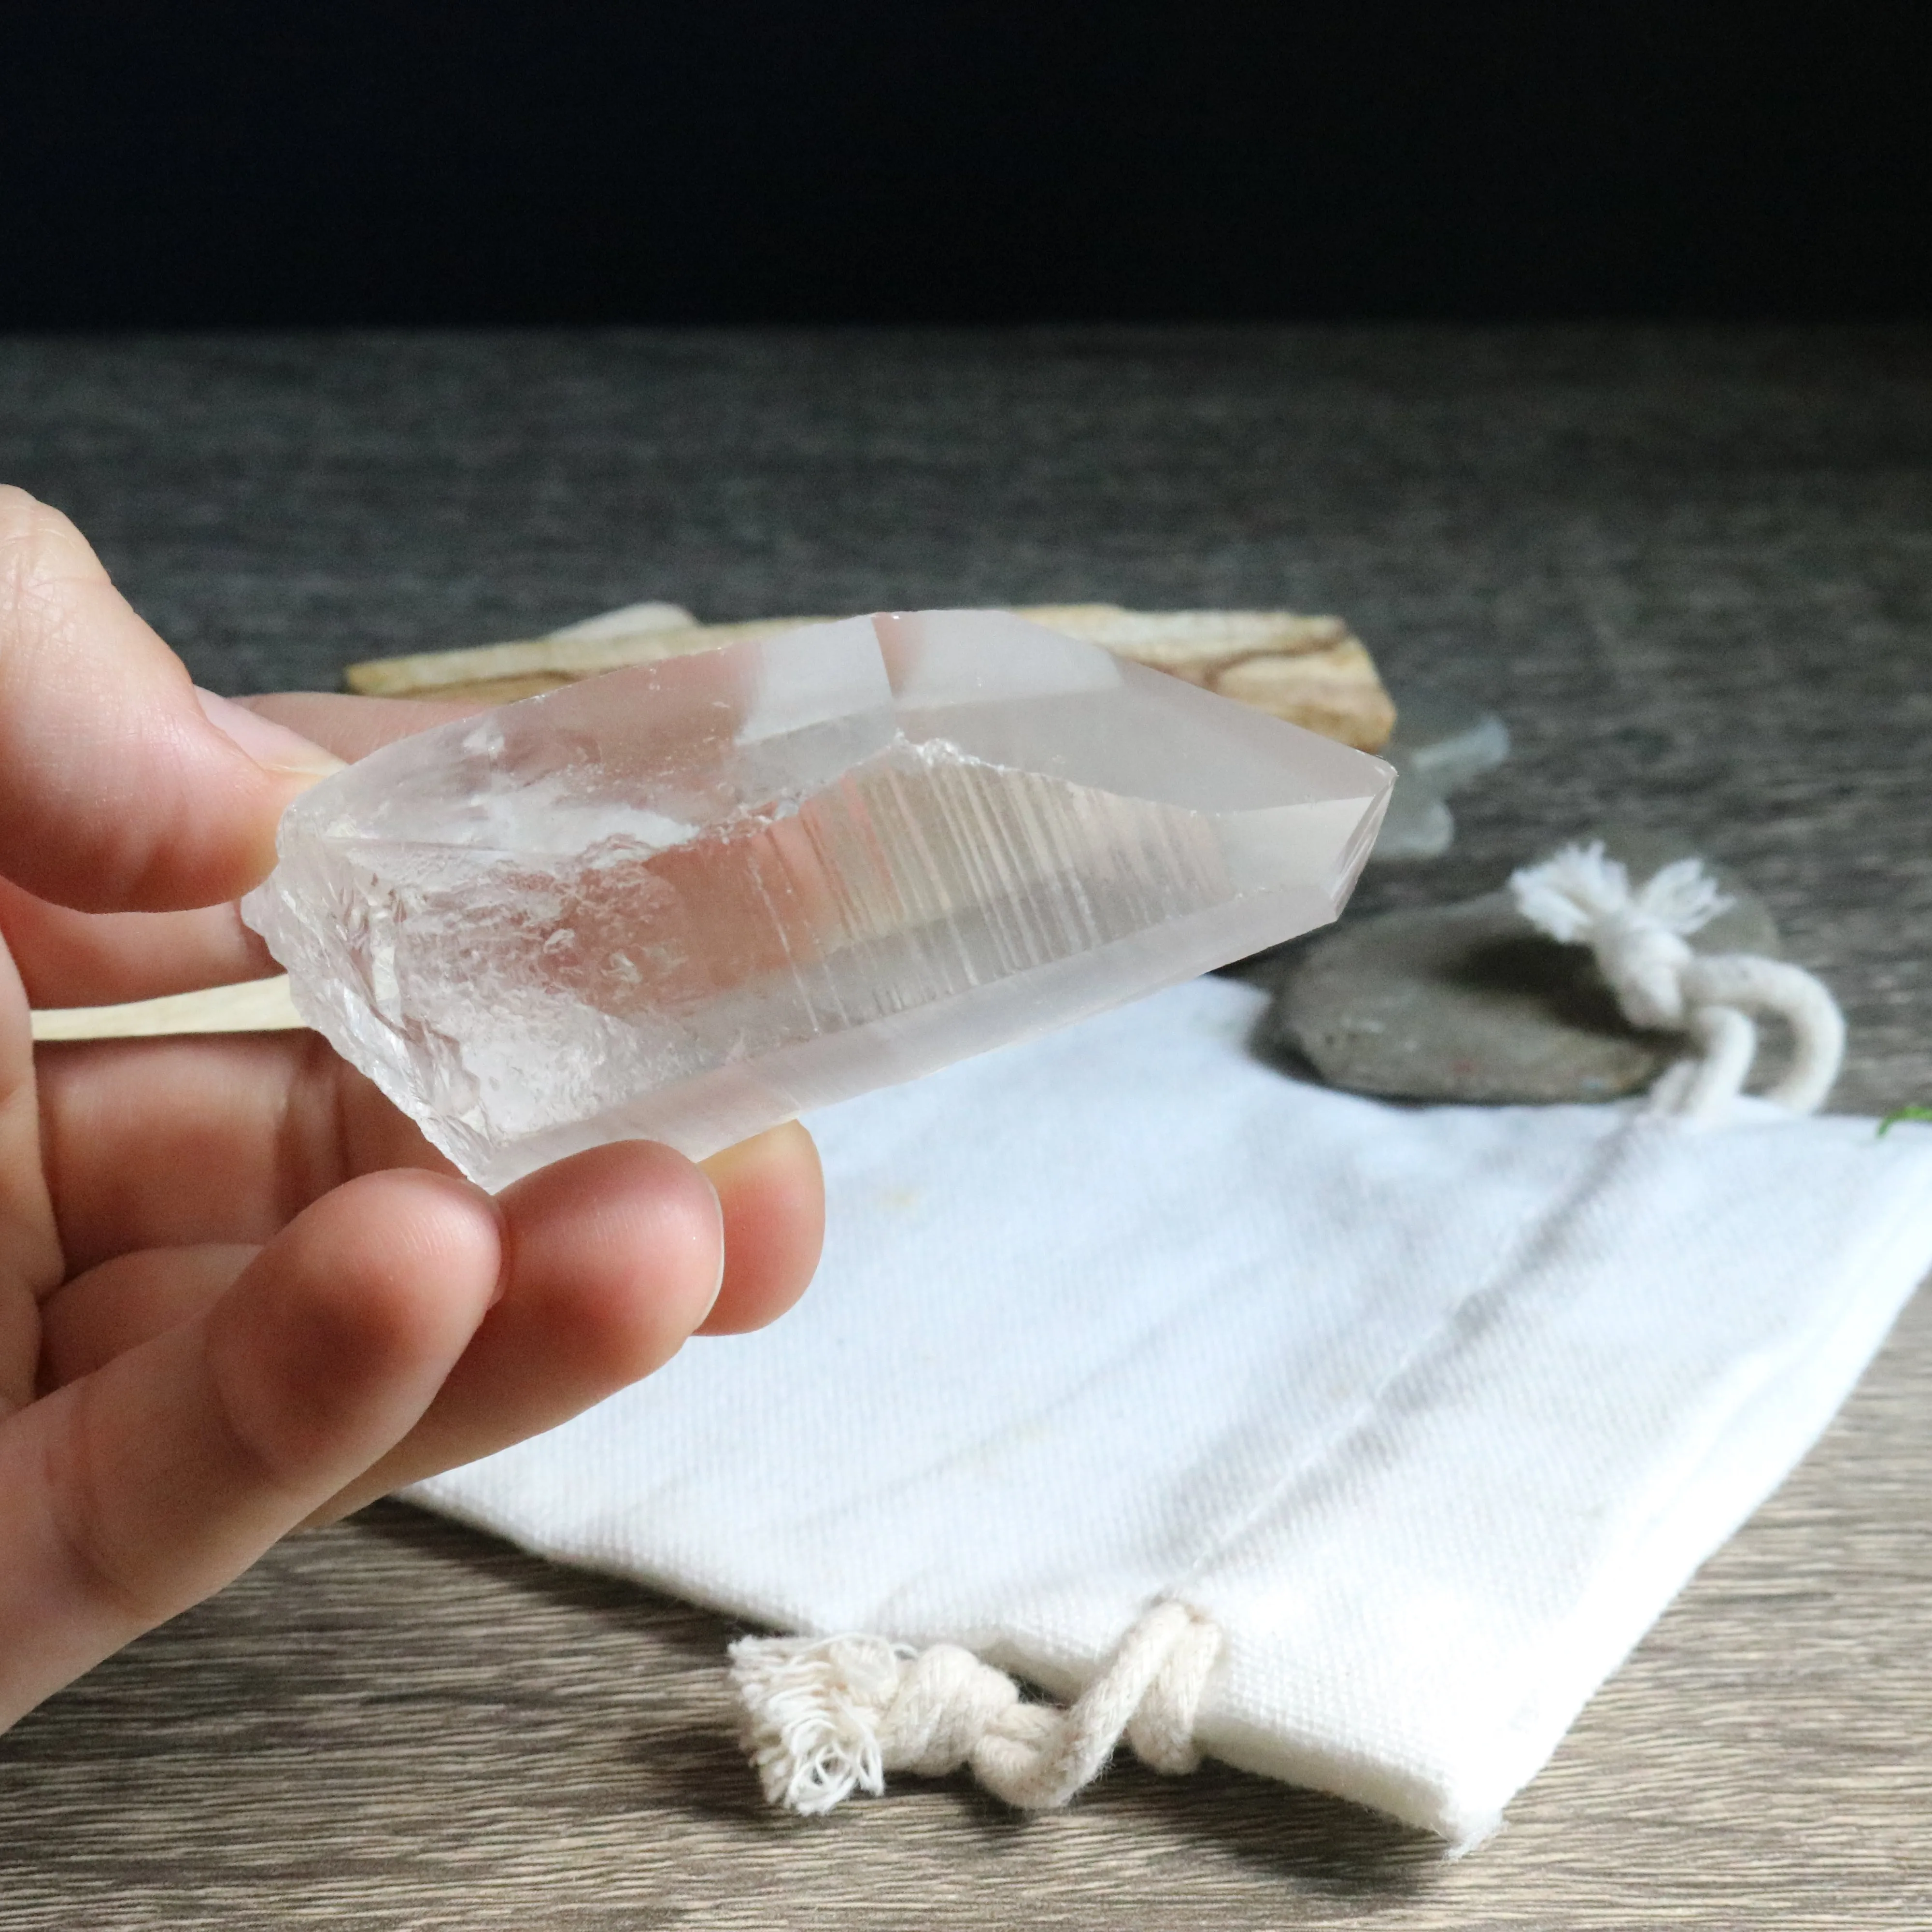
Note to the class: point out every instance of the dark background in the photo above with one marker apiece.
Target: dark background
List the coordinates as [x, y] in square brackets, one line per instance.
[959, 161]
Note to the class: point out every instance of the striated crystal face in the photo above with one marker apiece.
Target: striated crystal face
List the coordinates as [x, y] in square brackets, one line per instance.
[684, 901]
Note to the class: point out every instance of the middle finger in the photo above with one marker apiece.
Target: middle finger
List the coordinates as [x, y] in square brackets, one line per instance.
[171, 1142]
[177, 1143]
[69, 958]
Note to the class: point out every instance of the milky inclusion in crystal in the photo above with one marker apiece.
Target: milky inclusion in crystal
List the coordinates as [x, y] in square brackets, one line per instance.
[687, 901]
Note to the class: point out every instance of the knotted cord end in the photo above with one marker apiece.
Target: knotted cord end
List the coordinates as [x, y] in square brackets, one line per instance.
[811, 1715]
[826, 1717]
[1582, 897]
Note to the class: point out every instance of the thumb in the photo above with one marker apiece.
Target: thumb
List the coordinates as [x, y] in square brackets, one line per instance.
[121, 787]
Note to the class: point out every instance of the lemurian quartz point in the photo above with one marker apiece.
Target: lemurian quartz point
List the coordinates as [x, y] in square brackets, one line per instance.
[689, 900]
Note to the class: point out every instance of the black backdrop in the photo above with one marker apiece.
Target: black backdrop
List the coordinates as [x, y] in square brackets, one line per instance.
[967, 160]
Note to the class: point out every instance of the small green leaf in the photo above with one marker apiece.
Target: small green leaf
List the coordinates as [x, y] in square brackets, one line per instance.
[1904, 1114]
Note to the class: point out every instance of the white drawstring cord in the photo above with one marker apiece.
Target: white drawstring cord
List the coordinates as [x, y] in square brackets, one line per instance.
[1641, 940]
[825, 1717]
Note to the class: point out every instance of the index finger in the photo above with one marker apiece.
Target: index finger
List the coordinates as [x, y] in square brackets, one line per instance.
[131, 1493]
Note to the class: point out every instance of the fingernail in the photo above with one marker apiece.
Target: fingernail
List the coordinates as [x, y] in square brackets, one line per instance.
[718, 1286]
[273, 746]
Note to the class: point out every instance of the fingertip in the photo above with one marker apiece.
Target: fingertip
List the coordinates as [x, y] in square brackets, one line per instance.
[616, 1256]
[610, 1259]
[336, 1337]
[771, 1192]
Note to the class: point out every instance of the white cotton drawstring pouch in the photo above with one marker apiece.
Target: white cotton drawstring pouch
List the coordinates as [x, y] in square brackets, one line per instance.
[1352, 1443]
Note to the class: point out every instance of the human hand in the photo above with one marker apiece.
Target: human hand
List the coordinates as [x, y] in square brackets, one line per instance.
[238, 1291]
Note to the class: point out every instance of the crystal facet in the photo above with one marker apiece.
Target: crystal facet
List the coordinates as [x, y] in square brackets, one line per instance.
[687, 901]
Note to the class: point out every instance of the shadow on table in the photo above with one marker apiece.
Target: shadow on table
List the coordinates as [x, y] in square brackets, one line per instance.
[697, 1635]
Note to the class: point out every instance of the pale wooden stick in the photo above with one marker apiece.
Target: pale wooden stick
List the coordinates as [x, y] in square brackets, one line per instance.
[256, 1005]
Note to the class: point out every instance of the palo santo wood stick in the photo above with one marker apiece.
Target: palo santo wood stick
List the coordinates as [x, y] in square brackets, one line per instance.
[1312, 671]
[560, 658]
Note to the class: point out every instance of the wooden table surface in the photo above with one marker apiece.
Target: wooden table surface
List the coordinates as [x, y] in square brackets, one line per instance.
[1694, 572]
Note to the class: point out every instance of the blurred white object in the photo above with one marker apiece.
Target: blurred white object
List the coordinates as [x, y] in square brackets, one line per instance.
[1426, 1413]
[1438, 746]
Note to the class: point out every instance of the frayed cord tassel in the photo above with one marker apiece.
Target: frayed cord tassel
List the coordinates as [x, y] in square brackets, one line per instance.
[1641, 940]
[825, 1717]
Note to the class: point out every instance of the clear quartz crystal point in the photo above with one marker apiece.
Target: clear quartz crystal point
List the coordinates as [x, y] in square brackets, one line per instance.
[686, 901]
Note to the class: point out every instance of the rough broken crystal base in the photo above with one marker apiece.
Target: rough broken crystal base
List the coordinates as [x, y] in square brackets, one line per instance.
[685, 902]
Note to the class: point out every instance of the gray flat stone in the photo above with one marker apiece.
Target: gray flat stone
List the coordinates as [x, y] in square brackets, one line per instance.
[1467, 1003]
